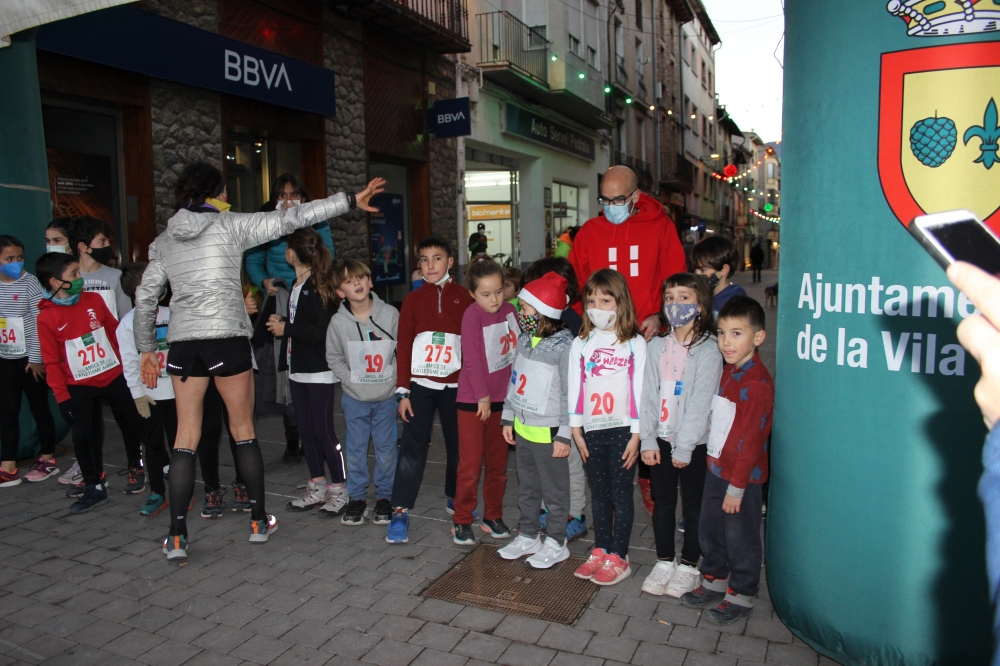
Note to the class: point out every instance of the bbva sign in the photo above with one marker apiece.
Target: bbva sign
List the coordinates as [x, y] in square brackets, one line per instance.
[250, 70]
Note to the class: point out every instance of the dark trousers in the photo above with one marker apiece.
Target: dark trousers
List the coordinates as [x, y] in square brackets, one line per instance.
[756, 273]
[16, 381]
[610, 489]
[87, 446]
[416, 439]
[162, 421]
[213, 418]
[663, 482]
[731, 542]
[133, 451]
[314, 412]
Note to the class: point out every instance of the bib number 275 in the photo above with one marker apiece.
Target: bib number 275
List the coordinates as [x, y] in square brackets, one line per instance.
[435, 352]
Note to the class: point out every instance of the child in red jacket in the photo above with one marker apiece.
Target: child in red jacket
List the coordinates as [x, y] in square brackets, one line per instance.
[428, 358]
[79, 345]
[729, 524]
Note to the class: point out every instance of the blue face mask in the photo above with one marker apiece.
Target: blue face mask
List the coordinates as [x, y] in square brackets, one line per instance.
[616, 213]
[13, 269]
[680, 314]
[72, 299]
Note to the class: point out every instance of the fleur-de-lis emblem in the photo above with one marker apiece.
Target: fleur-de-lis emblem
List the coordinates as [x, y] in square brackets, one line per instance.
[988, 135]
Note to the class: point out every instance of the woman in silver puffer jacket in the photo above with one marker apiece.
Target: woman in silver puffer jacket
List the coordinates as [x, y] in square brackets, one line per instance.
[208, 338]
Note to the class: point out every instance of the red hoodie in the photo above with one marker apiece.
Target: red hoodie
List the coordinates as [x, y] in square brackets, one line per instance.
[429, 308]
[644, 248]
[79, 344]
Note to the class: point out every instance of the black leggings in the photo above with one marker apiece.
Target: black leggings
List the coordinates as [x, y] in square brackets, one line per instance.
[213, 418]
[16, 381]
[314, 407]
[162, 420]
[663, 482]
[87, 446]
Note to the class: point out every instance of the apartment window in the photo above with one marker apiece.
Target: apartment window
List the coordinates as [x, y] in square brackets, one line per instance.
[619, 38]
[638, 14]
[640, 130]
[685, 50]
[704, 81]
[770, 169]
[704, 126]
[574, 44]
[592, 58]
[710, 81]
[694, 121]
[622, 136]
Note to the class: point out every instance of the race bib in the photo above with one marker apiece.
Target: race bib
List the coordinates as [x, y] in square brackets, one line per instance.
[670, 398]
[530, 383]
[109, 299]
[501, 344]
[607, 401]
[162, 350]
[12, 340]
[723, 415]
[436, 354]
[371, 361]
[90, 355]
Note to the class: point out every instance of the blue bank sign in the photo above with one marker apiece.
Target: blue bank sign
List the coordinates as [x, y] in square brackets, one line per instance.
[138, 41]
[450, 117]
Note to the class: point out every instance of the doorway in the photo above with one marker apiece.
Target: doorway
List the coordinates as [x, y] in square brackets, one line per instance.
[389, 242]
[254, 163]
[492, 201]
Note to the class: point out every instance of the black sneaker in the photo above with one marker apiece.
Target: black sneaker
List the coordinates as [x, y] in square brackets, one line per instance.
[383, 512]
[496, 528]
[463, 535]
[92, 496]
[292, 452]
[727, 613]
[214, 506]
[701, 597]
[136, 481]
[241, 501]
[354, 513]
[76, 491]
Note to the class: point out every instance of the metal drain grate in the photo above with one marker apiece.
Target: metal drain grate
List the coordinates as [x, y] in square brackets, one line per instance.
[486, 580]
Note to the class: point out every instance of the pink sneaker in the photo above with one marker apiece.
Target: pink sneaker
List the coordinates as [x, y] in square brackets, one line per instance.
[8, 479]
[41, 470]
[615, 570]
[587, 570]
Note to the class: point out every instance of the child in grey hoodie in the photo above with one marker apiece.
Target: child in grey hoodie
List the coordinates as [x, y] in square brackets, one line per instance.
[535, 420]
[361, 351]
[683, 368]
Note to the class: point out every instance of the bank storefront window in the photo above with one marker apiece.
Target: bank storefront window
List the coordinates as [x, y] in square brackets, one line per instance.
[253, 163]
[565, 207]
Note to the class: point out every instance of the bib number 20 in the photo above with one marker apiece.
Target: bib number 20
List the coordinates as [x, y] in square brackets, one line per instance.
[433, 357]
[606, 400]
[375, 362]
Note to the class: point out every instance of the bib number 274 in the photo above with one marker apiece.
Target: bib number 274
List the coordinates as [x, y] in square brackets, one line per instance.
[435, 352]
[605, 400]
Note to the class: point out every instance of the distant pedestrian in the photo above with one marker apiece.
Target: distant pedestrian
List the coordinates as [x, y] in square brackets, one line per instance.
[756, 261]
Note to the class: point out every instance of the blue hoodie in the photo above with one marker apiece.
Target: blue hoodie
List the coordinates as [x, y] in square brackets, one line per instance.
[268, 260]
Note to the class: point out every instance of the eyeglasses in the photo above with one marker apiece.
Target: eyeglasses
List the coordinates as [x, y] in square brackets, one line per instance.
[617, 201]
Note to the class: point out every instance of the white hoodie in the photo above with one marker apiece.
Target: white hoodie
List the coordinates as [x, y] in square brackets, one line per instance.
[130, 356]
[605, 381]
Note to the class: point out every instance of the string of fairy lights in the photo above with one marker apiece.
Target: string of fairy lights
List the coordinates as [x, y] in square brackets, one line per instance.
[732, 176]
[776, 220]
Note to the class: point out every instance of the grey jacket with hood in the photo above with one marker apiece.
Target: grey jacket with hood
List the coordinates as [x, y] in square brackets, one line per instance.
[702, 372]
[201, 254]
[553, 350]
[382, 322]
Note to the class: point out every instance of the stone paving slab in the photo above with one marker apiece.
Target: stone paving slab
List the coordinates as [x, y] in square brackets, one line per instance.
[95, 589]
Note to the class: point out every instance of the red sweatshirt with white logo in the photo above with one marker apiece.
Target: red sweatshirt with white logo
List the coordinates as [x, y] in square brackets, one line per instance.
[79, 344]
[644, 248]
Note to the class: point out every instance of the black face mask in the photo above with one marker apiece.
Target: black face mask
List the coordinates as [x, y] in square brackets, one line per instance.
[102, 255]
[713, 281]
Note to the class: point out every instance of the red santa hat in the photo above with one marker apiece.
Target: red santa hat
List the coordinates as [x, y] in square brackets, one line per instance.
[547, 295]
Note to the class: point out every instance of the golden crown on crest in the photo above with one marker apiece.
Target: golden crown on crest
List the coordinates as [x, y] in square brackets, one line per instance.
[941, 18]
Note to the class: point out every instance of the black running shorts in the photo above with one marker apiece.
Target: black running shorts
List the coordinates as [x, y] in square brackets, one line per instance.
[223, 357]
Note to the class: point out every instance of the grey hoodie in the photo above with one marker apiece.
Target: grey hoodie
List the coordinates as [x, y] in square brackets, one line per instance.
[341, 356]
[702, 372]
[552, 351]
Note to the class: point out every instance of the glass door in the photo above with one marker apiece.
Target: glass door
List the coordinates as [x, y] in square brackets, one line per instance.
[492, 210]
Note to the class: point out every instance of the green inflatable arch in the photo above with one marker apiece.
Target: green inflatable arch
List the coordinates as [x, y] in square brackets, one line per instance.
[875, 551]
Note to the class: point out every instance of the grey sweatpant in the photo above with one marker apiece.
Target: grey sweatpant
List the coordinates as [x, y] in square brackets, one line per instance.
[542, 477]
[577, 483]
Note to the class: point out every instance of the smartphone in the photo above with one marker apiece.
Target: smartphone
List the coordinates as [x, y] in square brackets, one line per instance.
[958, 235]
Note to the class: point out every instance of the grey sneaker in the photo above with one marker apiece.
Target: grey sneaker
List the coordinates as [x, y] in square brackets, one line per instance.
[702, 597]
[335, 501]
[312, 498]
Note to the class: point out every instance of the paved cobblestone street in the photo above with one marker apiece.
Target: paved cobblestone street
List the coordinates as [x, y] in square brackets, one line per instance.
[95, 588]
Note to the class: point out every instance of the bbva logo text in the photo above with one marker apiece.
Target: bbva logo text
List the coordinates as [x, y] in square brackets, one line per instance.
[250, 70]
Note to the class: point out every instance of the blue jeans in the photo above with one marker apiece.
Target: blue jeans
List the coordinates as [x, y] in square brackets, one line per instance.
[376, 420]
[610, 489]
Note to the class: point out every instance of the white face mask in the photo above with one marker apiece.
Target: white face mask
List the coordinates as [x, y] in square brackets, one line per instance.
[64, 249]
[602, 319]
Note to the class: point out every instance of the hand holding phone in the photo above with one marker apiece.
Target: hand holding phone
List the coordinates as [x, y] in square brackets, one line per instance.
[958, 235]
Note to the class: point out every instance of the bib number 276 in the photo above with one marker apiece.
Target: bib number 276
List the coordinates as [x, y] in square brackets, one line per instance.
[605, 400]
[91, 353]
[435, 352]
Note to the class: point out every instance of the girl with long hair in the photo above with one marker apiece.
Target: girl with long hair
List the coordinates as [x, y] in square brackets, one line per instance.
[312, 304]
[606, 365]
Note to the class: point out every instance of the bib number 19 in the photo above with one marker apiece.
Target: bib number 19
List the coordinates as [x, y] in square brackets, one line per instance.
[606, 400]
[375, 362]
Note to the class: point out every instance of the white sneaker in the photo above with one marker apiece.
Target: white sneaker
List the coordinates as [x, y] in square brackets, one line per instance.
[73, 476]
[314, 496]
[550, 554]
[657, 580]
[684, 580]
[520, 546]
[335, 500]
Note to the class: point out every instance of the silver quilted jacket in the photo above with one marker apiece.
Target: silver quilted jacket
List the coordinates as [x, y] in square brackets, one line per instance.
[201, 255]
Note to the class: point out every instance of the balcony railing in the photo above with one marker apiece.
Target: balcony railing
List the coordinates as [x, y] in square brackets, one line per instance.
[504, 40]
[644, 172]
[621, 72]
[640, 82]
[440, 25]
[624, 159]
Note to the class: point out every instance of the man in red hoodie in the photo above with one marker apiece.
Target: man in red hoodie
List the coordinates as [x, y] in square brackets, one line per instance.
[634, 236]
